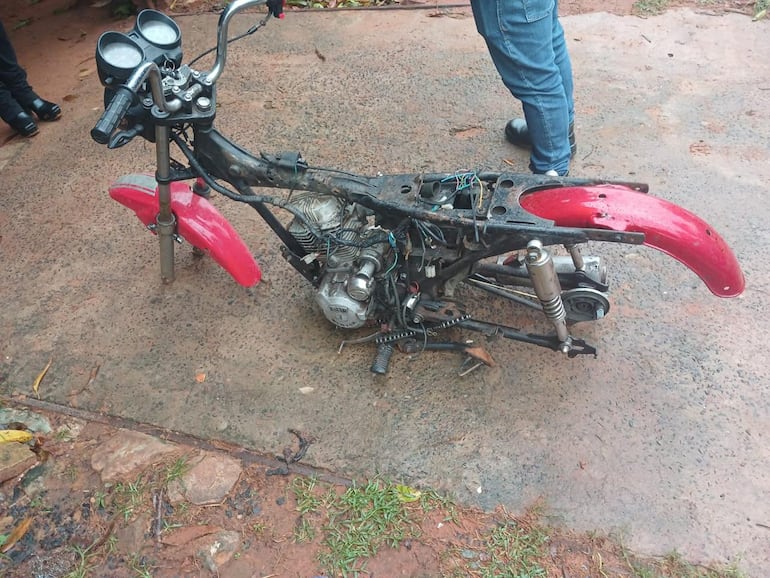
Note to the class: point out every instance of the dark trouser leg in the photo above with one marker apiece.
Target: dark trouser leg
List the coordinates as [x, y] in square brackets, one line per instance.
[12, 76]
[9, 108]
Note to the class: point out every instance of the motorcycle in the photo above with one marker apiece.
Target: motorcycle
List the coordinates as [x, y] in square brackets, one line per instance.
[388, 252]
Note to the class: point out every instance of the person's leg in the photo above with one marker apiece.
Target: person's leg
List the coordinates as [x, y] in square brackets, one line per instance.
[562, 59]
[14, 115]
[520, 41]
[14, 78]
[10, 110]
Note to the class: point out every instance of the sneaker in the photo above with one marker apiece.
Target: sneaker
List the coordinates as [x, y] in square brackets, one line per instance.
[517, 133]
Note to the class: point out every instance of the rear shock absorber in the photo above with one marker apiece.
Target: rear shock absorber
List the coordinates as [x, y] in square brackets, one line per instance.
[545, 281]
[577, 257]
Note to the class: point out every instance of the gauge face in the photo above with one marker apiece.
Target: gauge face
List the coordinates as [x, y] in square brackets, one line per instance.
[122, 55]
[157, 29]
[159, 33]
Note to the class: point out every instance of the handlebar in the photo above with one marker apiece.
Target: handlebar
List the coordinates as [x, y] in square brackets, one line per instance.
[112, 116]
[123, 98]
[224, 22]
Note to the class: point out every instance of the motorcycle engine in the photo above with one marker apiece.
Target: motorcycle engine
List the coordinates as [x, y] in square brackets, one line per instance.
[350, 250]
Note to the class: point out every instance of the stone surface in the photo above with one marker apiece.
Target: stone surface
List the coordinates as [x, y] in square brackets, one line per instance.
[220, 550]
[15, 459]
[131, 537]
[208, 480]
[34, 421]
[126, 453]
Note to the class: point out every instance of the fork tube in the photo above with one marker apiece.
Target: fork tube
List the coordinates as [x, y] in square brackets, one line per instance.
[165, 221]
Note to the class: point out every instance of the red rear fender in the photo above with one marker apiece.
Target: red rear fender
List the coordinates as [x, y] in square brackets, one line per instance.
[198, 222]
[666, 227]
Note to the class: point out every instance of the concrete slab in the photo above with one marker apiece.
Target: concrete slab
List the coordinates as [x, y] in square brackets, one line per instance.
[663, 437]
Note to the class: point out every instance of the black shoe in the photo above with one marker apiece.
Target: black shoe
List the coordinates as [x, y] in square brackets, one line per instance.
[23, 124]
[44, 110]
[517, 133]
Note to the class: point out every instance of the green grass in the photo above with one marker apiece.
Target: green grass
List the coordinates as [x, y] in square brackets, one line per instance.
[304, 493]
[82, 565]
[650, 7]
[139, 566]
[304, 531]
[361, 521]
[128, 497]
[358, 523]
[508, 550]
[353, 526]
[175, 470]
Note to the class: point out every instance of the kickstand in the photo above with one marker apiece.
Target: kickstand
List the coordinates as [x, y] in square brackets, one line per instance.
[469, 365]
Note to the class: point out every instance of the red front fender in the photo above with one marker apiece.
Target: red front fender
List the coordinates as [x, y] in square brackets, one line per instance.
[666, 227]
[198, 222]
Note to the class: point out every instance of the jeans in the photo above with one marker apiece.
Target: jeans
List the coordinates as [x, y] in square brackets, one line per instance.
[526, 42]
[15, 91]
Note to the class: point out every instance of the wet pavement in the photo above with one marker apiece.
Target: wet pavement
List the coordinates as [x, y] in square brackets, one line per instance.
[662, 438]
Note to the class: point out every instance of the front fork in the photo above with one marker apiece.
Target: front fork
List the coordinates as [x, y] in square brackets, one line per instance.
[165, 221]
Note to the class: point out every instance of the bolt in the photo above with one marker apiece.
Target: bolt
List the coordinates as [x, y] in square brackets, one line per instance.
[204, 103]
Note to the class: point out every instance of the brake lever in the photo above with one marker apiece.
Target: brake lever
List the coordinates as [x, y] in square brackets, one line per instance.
[123, 137]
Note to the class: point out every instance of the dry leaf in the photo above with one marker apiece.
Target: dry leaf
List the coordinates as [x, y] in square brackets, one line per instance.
[36, 384]
[17, 534]
[407, 494]
[13, 435]
[200, 377]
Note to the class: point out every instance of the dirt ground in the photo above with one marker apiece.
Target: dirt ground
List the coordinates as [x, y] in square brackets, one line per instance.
[36, 28]
[58, 517]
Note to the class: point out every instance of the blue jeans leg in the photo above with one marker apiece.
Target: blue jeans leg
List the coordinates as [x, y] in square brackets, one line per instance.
[527, 45]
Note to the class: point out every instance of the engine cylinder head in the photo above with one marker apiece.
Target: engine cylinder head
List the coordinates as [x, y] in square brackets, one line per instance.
[324, 213]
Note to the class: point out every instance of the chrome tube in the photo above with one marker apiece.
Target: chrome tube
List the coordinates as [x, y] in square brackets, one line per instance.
[165, 221]
[232, 9]
[546, 284]
[149, 71]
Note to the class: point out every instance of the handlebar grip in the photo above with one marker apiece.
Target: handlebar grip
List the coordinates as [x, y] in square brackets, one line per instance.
[112, 116]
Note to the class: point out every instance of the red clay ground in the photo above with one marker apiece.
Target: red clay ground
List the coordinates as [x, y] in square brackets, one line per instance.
[60, 519]
[60, 35]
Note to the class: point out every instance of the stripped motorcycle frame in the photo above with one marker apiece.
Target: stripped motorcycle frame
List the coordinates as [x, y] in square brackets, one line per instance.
[396, 246]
